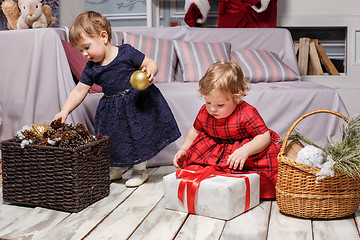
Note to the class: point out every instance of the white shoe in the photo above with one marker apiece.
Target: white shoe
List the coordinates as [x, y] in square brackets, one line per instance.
[137, 178]
[115, 173]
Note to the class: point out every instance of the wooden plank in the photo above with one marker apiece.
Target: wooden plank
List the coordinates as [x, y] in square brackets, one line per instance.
[325, 60]
[314, 60]
[344, 228]
[357, 218]
[252, 225]
[9, 213]
[286, 227]
[200, 227]
[303, 58]
[78, 225]
[160, 224]
[31, 225]
[130, 214]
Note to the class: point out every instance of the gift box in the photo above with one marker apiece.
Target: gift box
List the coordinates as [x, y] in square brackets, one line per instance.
[66, 179]
[218, 196]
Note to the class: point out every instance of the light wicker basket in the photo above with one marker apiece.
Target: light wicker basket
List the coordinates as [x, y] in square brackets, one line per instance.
[299, 194]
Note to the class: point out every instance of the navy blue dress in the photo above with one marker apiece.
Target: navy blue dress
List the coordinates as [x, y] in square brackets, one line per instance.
[139, 123]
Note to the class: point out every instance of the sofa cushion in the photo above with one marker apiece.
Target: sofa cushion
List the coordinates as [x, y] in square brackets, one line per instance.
[160, 50]
[196, 57]
[263, 66]
[117, 38]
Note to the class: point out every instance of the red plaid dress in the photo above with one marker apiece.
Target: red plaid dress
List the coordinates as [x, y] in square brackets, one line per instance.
[219, 138]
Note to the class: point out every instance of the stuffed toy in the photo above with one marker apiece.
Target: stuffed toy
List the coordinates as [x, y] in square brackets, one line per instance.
[11, 12]
[46, 9]
[32, 15]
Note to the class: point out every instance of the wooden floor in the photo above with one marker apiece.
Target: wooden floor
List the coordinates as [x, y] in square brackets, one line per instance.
[139, 213]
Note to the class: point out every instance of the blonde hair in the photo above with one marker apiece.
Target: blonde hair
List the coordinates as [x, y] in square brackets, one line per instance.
[227, 77]
[88, 23]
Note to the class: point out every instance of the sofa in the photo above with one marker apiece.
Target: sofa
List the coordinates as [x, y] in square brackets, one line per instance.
[280, 101]
[183, 54]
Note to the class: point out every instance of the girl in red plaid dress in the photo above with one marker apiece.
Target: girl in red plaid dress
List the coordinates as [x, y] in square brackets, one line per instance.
[230, 134]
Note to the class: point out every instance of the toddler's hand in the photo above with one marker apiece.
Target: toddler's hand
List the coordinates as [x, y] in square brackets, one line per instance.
[237, 159]
[179, 158]
[149, 75]
[61, 115]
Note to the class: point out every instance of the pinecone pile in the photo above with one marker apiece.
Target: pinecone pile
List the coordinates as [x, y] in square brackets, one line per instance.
[57, 134]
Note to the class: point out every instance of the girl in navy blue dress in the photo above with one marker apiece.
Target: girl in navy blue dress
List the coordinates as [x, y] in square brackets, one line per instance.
[139, 123]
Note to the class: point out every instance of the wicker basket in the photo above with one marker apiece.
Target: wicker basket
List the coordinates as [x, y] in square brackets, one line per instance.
[66, 179]
[298, 193]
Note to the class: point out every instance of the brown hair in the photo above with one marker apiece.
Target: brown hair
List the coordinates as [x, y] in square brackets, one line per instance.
[226, 77]
[88, 23]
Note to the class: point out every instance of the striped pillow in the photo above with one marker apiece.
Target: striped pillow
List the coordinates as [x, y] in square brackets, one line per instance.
[263, 66]
[196, 57]
[160, 50]
[117, 38]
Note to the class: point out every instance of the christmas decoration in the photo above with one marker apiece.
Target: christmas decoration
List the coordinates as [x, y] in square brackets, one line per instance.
[247, 13]
[196, 12]
[338, 156]
[139, 80]
[56, 134]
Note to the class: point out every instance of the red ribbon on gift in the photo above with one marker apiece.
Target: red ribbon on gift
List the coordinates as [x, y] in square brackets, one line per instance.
[191, 178]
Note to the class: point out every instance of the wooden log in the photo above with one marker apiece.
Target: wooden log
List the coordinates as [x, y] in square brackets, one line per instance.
[303, 55]
[310, 69]
[314, 60]
[314, 40]
[329, 66]
[292, 149]
[296, 47]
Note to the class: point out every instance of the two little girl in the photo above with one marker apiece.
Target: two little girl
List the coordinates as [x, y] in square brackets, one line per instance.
[228, 133]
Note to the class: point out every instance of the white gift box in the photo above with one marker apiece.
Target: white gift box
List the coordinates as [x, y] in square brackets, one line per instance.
[219, 196]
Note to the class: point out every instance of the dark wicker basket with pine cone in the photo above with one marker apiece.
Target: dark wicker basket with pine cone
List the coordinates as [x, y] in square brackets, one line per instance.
[60, 166]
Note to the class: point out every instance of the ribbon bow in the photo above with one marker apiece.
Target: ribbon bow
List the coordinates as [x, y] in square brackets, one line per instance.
[191, 178]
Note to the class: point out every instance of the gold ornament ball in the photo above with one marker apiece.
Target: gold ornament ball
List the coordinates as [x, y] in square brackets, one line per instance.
[139, 80]
[38, 129]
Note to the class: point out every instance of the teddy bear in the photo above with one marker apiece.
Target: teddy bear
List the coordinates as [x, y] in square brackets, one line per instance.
[33, 14]
[11, 12]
